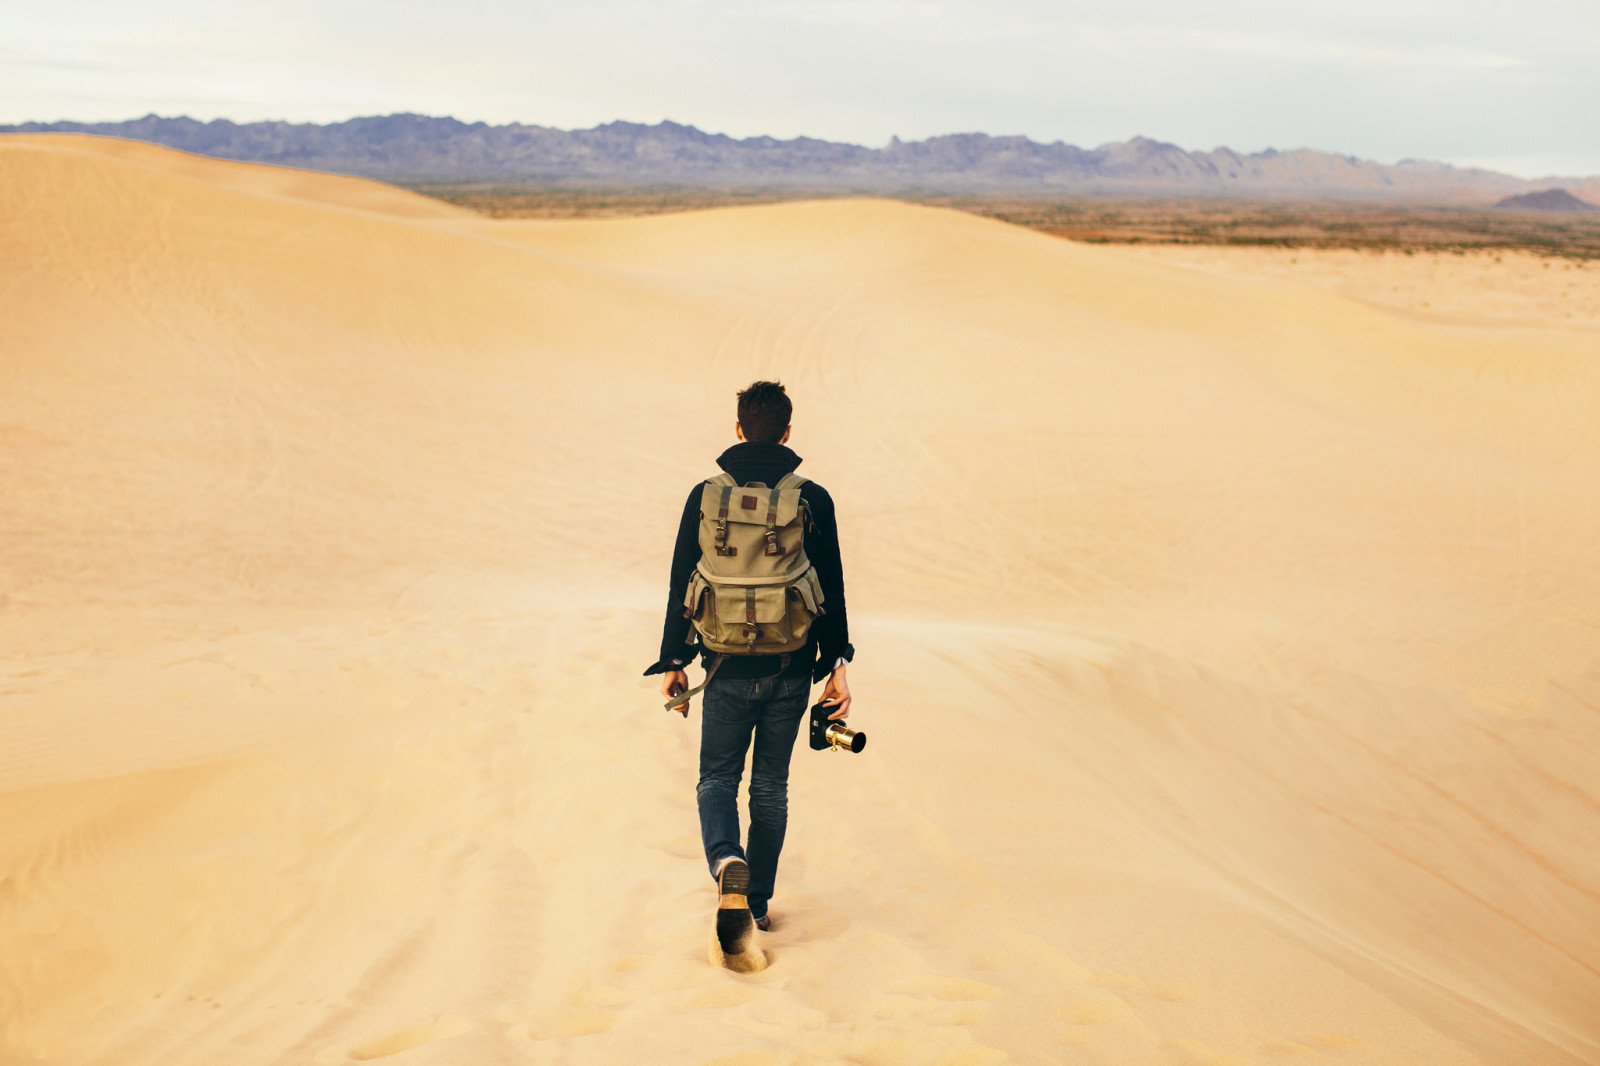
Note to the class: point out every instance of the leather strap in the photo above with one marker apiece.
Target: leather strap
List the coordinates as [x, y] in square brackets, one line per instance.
[722, 522]
[683, 697]
[772, 523]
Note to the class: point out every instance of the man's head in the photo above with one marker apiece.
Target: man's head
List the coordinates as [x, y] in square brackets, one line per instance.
[764, 411]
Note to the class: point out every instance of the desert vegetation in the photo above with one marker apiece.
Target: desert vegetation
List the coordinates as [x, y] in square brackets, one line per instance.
[1359, 224]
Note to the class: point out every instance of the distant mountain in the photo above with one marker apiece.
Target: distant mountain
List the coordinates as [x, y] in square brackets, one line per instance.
[1547, 200]
[419, 148]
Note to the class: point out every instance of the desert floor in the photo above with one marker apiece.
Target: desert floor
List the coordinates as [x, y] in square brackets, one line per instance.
[1228, 628]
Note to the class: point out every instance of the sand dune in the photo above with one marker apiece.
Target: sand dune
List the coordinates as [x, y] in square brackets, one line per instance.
[1496, 288]
[1230, 642]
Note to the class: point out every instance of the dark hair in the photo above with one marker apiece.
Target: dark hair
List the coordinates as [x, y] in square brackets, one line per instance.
[764, 411]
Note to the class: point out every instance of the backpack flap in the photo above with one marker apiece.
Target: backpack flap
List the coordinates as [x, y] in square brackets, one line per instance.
[766, 604]
[750, 530]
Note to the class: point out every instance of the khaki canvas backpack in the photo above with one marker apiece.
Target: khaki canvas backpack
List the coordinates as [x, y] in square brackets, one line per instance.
[754, 591]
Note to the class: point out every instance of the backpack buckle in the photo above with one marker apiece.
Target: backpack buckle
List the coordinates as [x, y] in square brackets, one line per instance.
[772, 543]
[723, 549]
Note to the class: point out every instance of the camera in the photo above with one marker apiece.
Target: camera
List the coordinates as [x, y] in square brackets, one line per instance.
[826, 734]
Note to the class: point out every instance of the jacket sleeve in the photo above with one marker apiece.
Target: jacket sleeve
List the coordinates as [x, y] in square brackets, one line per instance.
[677, 650]
[822, 548]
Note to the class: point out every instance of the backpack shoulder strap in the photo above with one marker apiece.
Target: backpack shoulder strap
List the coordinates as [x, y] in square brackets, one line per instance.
[795, 481]
[726, 483]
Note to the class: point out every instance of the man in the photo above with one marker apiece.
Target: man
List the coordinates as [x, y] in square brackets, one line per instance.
[753, 695]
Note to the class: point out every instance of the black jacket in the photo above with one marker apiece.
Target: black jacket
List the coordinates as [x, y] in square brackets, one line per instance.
[829, 640]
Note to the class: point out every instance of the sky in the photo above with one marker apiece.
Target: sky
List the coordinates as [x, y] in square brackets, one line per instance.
[1513, 87]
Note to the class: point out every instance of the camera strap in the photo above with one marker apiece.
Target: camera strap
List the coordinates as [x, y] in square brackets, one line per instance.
[711, 671]
[683, 697]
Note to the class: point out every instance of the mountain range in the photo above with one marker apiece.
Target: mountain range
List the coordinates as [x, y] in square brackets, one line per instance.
[409, 148]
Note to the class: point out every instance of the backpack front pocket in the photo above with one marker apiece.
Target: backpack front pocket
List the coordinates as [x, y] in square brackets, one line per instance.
[694, 597]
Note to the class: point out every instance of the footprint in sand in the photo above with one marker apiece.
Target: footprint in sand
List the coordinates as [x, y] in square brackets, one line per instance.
[585, 1022]
[1171, 991]
[933, 986]
[1101, 1010]
[1285, 1048]
[724, 995]
[573, 1022]
[411, 1037]
[1196, 1053]
[751, 1058]
[944, 1000]
[629, 963]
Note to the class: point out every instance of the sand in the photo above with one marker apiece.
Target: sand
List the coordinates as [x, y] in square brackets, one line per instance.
[1229, 640]
[1479, 288]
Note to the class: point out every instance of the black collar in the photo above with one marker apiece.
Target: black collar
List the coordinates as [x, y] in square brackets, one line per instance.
[756, 461]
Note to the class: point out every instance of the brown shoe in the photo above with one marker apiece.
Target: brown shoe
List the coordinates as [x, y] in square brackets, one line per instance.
[734, 923]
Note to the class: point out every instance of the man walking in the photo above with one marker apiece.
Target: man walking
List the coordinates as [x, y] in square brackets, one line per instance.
[758, 591]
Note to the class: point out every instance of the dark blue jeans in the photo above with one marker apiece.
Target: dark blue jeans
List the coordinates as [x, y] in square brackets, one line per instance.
[732, 710]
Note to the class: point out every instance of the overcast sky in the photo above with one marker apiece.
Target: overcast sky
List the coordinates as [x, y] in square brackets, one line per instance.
[1511, 86]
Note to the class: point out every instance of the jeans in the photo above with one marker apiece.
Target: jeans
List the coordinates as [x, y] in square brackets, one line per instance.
[732, 710]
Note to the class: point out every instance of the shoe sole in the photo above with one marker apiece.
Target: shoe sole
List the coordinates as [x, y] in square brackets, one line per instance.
[735, 929]
[735, 881]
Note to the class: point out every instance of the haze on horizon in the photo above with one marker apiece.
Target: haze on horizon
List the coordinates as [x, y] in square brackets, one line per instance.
[1458, 82]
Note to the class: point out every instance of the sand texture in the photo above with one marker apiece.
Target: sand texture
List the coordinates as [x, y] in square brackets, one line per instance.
[1501, 288]
[1229, 640]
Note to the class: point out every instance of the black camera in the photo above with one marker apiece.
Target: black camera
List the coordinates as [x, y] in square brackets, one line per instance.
[826, 734]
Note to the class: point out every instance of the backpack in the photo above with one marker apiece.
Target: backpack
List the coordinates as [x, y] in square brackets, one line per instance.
[754, 592]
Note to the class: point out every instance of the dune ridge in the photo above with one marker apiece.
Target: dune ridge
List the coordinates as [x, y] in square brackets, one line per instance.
[1229, 645]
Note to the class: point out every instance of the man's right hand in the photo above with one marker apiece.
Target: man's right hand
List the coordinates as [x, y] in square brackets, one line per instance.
[836, 694]
[672, 683]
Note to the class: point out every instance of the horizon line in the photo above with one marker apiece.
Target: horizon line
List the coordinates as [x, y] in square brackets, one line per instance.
[894, 139]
